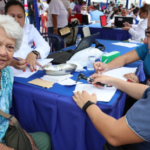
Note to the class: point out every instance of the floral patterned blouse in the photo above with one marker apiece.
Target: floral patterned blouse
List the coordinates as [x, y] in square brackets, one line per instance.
[5, 99]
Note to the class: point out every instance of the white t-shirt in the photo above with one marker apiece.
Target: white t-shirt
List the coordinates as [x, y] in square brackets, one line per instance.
[72, 4]
[66, 4]
[39, 5]
[56, 7]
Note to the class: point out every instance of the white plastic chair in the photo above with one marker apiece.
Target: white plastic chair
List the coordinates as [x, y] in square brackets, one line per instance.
[86, 31]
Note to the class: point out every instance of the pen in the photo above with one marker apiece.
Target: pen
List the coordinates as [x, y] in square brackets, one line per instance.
[19, 60]
[104, 62]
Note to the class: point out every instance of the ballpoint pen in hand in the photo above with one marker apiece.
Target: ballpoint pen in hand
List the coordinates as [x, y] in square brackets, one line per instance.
[19, 60]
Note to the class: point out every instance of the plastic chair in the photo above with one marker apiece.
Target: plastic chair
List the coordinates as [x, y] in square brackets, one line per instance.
[44, 21]
[52, 39]
[86, 31]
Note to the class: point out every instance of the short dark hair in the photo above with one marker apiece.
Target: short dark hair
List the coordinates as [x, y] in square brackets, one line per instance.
[11, 3]
[136, 10]
[96, 7]
[145, 8]
[80, 2]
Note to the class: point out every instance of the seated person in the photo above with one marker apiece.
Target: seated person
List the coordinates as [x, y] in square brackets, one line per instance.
[33, 45]
[138, 31]
[95, 14]
[140, 53]
[133, 128]
[85, 12]
[10, 41]
[110, 14]
[77, 8]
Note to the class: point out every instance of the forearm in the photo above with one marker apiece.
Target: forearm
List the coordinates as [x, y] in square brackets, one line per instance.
[4, 147]
[54, 17]
[135, 90]
[69, 11]
[123, 60]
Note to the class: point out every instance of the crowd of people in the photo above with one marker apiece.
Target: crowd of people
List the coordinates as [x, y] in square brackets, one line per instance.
[25, 43]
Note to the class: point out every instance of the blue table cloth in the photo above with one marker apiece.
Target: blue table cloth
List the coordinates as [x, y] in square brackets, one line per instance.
[107, 34]
[54, 111]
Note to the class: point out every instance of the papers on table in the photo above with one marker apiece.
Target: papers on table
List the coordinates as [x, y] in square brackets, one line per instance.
[68, 82]
[119, 72]
[28, 73]
[104, 94]
[56, 79]
[129, 45]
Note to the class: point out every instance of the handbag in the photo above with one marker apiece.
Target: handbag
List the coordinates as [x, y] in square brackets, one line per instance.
[15, 137]
[64, 32]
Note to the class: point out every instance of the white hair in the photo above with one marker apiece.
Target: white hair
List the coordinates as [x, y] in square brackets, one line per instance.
[12, 29]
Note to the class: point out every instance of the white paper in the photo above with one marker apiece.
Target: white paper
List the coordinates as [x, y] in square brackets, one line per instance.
[56, 79]
[120, 72]
[104, 94]
[28, 73]
[68, 82]
[129, 45]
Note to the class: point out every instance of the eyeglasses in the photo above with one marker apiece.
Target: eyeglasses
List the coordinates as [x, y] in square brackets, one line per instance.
[147, 33]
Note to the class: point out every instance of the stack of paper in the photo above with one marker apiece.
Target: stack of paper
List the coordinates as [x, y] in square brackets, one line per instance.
[56, 79]
[120, 72]
[104, 94]
[129, 45]
[28, 73]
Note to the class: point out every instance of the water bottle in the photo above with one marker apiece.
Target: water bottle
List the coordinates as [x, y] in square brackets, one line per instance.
[78, 39]
[91, 57]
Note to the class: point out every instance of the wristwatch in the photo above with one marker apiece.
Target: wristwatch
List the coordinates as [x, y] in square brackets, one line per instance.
[36, 53]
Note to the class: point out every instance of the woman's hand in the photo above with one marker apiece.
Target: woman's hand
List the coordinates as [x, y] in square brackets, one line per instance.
[126, 24]
[34, 147]
[126, 28]
[82, 98]
[99, 68]
[21, 65]
[102, 79]
[31, 60]
[132, 77]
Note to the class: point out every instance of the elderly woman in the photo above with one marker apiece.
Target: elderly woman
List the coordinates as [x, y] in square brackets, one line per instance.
[85, 12]
[33, 45]
[10, 42]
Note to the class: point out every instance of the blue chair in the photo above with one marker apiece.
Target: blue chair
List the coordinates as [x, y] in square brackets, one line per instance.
[55, 41]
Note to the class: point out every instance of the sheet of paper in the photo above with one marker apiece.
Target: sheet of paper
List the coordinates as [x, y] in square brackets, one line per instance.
[119, 72]
[104, 94]
[28, 73]
[56, 79]
[129, 45]
[42, 83]
[68, 82]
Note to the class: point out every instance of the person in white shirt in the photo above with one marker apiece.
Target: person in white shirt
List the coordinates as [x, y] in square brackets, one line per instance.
[33, 45]
[57, 18]
[138, 31]
[40, 9]
[67, 6]
[72, 4]
[85, 12]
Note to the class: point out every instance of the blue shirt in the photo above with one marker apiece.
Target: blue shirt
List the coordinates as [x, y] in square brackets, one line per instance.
[138, 119]
[5, 99]
[143, 53]
[95, 15]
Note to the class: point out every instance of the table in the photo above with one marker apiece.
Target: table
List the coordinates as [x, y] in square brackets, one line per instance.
[53, 110]
[107, 34]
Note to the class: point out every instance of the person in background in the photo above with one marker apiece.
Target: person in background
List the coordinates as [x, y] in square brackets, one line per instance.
[40, 9]
[84, 2]
[57, 19]
[72, 4]
[124, 12]
[30, 11]
[104, 6]
[95, 15]
[10, 41]
[67, 6]
[116, 13]
[84, 11]
[110, 14]
[138, 31]
[77, 8]
[33, 45]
